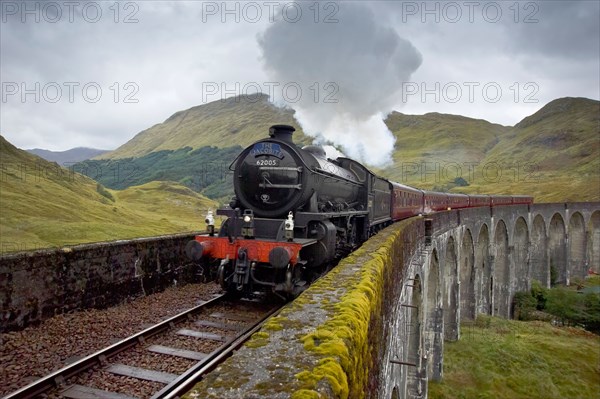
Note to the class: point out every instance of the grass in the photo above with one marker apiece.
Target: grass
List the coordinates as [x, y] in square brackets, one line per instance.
[498, 358]
[43, 205]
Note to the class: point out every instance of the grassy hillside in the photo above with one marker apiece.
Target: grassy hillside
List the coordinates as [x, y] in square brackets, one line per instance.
[43, 205]
[553, 154]
[236, 121]
[433, 149]
[558, 151]
[204, 170]
[516, 359]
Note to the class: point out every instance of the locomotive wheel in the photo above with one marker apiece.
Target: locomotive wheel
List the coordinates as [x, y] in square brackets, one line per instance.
[289, 285]
[221, 276]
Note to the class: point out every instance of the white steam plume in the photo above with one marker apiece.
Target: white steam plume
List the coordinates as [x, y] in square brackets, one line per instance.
[356, 62]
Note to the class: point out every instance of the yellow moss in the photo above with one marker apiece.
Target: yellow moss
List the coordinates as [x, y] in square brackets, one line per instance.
[258, 339]
[329, 369]
[274, 324]
[260, 334]
[326, 342]
[342, 341]
[305, 394]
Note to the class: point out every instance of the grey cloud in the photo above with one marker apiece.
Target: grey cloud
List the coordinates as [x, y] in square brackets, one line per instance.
[172, 51]
[167, 55]
[564, 30]
[560, 29]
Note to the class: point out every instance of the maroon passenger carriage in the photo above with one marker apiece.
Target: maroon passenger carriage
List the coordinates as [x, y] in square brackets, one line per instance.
[295, 212]
[434, 202]
[406, 201]
[478, 200]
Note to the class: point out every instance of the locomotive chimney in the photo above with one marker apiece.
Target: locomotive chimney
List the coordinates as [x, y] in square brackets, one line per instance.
[282, 132]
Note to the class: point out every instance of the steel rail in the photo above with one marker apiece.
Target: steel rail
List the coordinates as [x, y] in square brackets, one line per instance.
[55, 379]
[186, 381]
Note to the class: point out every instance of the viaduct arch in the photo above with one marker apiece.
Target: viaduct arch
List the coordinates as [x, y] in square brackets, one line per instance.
[476, 260]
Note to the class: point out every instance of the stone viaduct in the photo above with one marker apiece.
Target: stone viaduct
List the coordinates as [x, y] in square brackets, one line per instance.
[473, 263]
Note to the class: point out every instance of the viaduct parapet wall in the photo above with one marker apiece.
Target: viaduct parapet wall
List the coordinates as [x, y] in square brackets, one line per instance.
[37, 285]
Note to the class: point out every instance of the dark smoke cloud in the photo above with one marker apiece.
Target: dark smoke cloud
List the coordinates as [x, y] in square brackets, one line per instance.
[366, 62]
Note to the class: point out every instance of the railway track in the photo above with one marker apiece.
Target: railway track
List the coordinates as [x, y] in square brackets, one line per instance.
[162, 361]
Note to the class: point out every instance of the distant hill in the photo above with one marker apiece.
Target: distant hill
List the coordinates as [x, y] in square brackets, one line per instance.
[552, 154]
[236, 121]
[556, 150]
[44, 205]
[67, 157]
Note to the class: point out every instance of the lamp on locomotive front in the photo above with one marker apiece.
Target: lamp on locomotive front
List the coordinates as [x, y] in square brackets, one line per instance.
[289, 227]
[210, 223]
[248, 226]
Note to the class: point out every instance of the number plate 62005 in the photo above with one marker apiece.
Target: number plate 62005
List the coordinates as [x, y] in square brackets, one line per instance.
[267, 162]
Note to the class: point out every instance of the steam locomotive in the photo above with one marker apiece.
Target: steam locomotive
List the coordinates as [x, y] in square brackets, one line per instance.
[296, 211]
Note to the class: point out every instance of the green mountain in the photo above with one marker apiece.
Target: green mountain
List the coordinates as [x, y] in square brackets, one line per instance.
[44, 205]
[434, 149]
[552, 154]
[236, 121]
[557, 150]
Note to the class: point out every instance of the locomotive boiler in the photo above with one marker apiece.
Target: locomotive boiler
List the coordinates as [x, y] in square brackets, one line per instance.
[274, 176]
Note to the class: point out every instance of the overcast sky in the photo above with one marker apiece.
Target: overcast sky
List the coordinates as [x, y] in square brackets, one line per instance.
[97, 73]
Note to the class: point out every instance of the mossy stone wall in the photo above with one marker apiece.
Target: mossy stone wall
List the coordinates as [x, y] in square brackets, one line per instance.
[330, 341]
[37, 285]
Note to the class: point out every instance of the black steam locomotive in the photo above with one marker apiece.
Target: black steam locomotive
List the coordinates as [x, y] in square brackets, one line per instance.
[296, 211]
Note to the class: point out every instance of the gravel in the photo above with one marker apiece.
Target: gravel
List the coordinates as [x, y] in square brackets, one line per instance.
[126, 385]
[36, 351]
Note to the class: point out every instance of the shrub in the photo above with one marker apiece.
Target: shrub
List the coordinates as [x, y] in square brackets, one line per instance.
[459, 181]
[592, 312]
[524, 305]
[104, 192]
[570, 307]
[563, 304]
[539, 292]
[574, 308]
